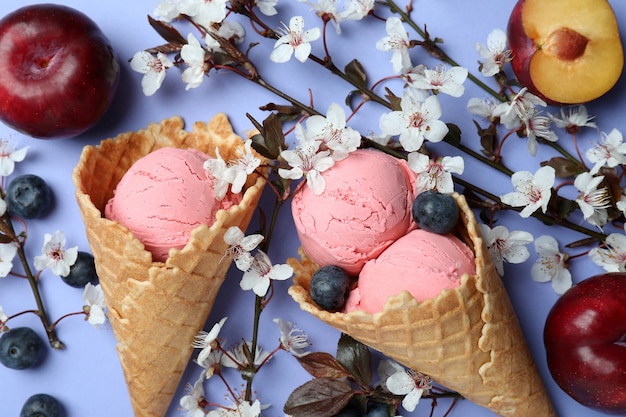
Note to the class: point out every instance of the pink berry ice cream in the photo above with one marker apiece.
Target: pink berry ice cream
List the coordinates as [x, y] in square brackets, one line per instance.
[365, 207]
[164, 196]
[421, 262]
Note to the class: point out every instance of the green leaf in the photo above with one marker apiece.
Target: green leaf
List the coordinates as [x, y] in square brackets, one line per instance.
[167, 31]
[355, 71]
[320, 397]
[323, 365]
[356, 358]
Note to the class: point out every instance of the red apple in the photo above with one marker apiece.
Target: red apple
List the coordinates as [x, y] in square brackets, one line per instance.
[585, 340]
[58, 72]
[565, 51]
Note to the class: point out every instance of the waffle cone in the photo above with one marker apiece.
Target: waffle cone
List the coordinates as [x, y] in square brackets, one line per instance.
[467, 339]
[156, 308]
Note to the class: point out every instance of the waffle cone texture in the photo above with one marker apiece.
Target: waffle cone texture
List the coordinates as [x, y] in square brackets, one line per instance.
[467, 339]
[156, 308]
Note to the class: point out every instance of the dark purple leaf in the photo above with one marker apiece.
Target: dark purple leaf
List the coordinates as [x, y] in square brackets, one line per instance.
[320, 397]
[323, 365]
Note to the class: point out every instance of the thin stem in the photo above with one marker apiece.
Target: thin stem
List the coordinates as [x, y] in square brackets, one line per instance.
[259, 305]
[538, 214]
[32, 280]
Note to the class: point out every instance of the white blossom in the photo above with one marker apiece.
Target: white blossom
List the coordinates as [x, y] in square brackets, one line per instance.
[9, 156]
[495, 54]
[210, 363]
[94, 304]
[292, 339]
[7, 254]
[167, 10]
[575, 118]
[191, 402]
[531, 191]
[3, 317]
[506, 246]
[307, 161]
[242, 409]
[593, 202]
[206, 341]
[294, 41]
[435, 175]
[153, 69]
[612, 254]
[416, 122]
[611, 151]
[267, 7]
[483, 107]
[246, 164]
[192, 54]
[229, 29]
[551, 264]
[409, 383]
[441, 79]
[357, 9]
[204, 12]
[327, 10]
[538, 126]
[396, 41]
[258, 277]
[332, 132]
[240, 246]
[221, 172]
[55, 256]
[519, 110]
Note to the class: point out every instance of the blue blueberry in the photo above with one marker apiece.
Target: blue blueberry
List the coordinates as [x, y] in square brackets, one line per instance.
[83, 271]
[41, 405]
[349, 411]
[330, 287]
[376, 409]
[435, 212]
[20, 348]
[28, 196]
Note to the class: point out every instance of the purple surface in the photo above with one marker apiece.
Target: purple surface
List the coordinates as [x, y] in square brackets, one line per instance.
[86, 377]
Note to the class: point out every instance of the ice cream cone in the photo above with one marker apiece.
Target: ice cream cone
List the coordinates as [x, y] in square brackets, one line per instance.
[156, 308]
[467, 339]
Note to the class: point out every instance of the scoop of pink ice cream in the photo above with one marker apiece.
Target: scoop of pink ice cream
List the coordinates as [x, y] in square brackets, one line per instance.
[365, 206]
[164, 196]
[421, 263]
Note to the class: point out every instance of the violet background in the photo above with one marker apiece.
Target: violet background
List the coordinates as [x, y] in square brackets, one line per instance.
[86, 377]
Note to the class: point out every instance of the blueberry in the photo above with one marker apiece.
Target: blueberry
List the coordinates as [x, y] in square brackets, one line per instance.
[349, 411]
[330, 286]
[83, 271]
[435, 212]
[41, 405]
[20, 348]
[28, 196]
[376, 409]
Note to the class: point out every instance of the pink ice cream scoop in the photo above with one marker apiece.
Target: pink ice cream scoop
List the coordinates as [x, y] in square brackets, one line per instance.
[365, 206]
[164, 196]
[422, 263]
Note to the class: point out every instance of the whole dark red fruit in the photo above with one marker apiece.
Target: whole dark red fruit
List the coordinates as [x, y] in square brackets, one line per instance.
[58, 72]
[585, 340]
